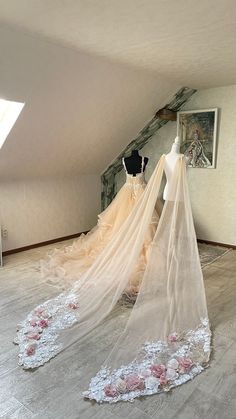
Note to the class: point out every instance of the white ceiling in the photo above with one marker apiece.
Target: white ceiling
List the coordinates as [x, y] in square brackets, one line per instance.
[191, 41]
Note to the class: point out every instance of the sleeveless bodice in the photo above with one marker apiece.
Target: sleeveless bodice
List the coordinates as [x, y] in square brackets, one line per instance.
[137, 181]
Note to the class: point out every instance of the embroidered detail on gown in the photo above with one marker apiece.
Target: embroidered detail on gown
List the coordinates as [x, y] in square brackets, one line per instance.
[64, 266]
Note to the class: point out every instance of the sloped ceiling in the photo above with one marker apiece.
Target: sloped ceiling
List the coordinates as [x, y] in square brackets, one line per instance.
[92, 73]
[80, 110]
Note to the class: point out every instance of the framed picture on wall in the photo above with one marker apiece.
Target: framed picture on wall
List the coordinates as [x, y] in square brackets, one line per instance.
[197, 131]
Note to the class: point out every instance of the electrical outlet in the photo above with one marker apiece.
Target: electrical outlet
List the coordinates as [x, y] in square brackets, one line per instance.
[4, 233]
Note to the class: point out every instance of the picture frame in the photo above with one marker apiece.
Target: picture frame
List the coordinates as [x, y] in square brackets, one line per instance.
[197, 130]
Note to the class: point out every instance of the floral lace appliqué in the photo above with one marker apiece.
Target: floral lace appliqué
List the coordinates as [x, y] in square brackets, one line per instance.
[37, 335]
[160, 367]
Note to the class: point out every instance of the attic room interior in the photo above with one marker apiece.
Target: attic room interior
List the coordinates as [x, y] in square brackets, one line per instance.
[117, 209]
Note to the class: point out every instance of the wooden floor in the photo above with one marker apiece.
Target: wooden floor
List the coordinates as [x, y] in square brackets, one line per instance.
[54, 391]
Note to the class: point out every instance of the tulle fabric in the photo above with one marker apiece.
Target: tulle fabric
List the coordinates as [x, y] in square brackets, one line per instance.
[167, 337]
[64, 266]
[172, 287]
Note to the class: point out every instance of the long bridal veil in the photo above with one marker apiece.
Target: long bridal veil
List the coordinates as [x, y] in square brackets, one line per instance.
[167, 338]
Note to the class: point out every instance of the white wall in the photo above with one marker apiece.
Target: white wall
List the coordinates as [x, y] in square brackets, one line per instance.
[43, 209]
[213, 191]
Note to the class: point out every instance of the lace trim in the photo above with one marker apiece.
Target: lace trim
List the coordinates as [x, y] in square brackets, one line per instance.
[160, 367]
[37, 335]
[135, 185]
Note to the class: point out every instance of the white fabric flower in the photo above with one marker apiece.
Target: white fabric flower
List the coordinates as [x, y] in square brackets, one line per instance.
[171, 374]
[151, 383]
[173, 364]
[121, 385]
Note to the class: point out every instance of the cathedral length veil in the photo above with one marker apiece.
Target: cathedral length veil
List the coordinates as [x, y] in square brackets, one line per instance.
[166, 340]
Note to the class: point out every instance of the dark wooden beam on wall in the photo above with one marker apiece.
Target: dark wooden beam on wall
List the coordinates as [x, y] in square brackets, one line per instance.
[166, 114]
[169, 111]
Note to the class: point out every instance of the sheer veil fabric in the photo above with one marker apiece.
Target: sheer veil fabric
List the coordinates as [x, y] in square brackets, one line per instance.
[166, 341]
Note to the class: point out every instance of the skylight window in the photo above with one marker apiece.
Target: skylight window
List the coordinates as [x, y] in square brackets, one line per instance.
[9, 112]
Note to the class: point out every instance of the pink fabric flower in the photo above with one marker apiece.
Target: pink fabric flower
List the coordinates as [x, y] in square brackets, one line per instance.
[163, 379]
[33, 335]
[43, 323]
[134, 382]
[30, 350]
[111, 390]
[185, 364]
[73, 305]
[173, 337]
[157, 370]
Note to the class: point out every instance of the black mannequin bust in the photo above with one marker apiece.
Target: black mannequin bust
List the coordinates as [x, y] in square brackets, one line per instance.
[133, 163]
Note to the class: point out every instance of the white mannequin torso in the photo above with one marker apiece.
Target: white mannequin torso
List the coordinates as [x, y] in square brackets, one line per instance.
[170, 161]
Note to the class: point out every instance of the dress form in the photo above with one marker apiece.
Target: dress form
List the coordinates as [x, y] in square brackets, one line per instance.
[133, 163]
[170, 161]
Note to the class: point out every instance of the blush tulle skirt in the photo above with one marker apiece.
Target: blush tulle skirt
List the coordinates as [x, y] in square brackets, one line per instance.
[64, 266]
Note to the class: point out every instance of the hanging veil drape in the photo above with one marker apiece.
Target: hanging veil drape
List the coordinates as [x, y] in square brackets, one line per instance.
[167, 338]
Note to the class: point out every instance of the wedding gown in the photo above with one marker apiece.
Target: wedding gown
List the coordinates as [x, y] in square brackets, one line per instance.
[166, 340]
[65, 266]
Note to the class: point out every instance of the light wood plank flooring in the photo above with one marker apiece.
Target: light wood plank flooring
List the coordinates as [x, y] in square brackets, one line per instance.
[54, 391]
